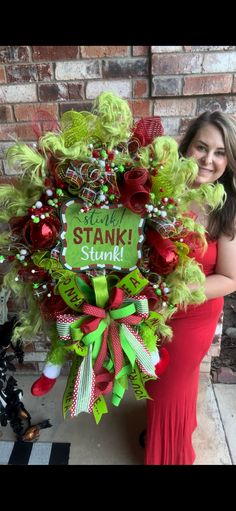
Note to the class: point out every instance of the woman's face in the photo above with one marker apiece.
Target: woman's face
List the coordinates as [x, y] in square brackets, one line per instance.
[208, 149]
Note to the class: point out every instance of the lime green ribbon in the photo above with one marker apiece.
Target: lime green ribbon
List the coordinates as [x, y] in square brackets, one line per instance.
[109, 322]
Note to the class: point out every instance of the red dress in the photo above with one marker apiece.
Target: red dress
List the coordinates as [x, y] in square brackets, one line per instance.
[171, 415]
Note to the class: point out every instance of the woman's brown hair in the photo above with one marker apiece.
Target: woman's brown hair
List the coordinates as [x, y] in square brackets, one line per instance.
[221, 221]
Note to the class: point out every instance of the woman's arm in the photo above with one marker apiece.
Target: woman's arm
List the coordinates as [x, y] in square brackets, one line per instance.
[219, 285]
[223, 282]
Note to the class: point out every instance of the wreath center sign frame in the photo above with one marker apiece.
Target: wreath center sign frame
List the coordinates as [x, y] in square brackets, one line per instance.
[107, 237]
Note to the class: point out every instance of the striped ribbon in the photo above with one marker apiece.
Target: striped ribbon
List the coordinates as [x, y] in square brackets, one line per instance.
[84, 395]
[63, 325]
[109, 333]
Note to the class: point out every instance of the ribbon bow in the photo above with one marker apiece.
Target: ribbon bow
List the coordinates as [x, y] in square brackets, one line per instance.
[108, 332]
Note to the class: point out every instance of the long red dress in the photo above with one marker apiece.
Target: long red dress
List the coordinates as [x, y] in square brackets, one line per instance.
[171, 415]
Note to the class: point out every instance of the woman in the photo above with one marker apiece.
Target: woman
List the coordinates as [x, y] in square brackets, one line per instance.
[171, 414]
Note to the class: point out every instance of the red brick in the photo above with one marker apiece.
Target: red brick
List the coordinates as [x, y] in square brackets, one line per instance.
[2, 75]
[14, 54]
[175, 107]
[53, 91]
[25, 111]
[140, 107]
[171, 65]
[6, 114]
[54, 53]
[44, 72]
[140, 88]
[20, 73]
[22, 131]
[140, 51]
[29, 73]
[104, 51]
[234, 84]
[76, 90]
[211, 84]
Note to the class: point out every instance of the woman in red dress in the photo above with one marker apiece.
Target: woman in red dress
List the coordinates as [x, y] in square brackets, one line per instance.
[171, 414]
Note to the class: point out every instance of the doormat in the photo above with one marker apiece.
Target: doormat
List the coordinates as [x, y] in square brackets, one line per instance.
[40, 453]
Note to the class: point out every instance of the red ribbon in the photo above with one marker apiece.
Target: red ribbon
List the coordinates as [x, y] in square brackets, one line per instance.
[135, 190]
[164, 257]
[104, 379]
[147, 129]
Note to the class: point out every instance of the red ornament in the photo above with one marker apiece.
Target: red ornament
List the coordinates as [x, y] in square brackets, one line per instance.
[164, 361]
[53, 305]
[41, 235]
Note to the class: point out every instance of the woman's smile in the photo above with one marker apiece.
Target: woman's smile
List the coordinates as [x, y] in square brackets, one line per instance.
[208, 149]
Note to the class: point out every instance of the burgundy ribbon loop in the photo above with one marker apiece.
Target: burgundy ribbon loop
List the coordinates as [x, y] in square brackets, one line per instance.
[135, 191]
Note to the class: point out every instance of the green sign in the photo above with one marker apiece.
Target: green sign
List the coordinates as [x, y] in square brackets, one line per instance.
[106, 237]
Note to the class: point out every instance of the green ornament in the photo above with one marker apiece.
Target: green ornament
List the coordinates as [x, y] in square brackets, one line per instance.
[158, 292]
[36, 220]
[103, 154]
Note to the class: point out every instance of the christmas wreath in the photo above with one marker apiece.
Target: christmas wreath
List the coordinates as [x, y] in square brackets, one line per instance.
[100, 244]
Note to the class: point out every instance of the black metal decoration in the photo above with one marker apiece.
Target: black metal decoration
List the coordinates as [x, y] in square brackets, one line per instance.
[12, 409]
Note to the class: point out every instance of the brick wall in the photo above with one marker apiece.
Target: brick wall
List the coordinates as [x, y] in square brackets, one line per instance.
[187, 80]
[175, 82]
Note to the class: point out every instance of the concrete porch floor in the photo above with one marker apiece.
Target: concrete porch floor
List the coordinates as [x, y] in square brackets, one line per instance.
[115, 440]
